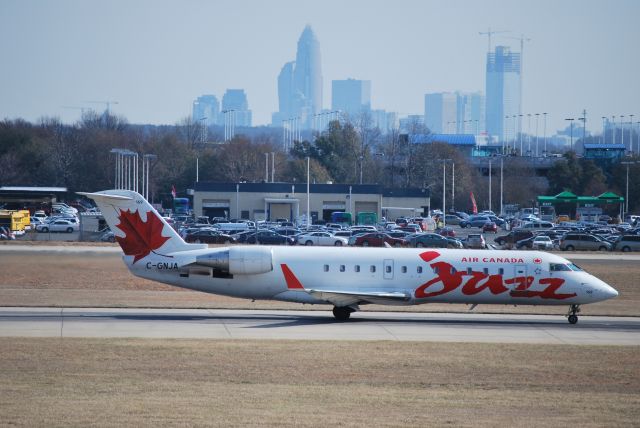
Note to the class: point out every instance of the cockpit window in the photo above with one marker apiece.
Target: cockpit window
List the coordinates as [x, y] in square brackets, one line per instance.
[575, 268]
[557, 267]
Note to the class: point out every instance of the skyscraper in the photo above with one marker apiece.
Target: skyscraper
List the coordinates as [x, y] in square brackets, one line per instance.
[470, 116]
[300, 83]
[206, 106]
[234, 102]
[440, 112]
[503, 92]
[351, 96]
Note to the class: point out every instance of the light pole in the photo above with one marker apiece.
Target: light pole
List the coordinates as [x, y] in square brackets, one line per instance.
[630, 134]
[571, 119]
[501, 182]
[604, 130]
[537, 117]
[308, 194]
[622, 130]
[444, 190]
[544, 134]
[529, 134]
[626, 198]
[504, 132]
[613, 123]
[490, 184]
[146, 167]
[237, 201]
[520, 128]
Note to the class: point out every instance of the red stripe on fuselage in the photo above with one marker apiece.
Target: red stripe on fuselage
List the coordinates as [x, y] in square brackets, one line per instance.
[292, 282]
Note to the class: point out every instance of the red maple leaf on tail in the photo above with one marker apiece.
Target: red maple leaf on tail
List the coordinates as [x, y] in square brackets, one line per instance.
[141, 237]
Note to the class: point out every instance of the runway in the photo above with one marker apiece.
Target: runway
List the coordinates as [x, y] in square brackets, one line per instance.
[315, 325]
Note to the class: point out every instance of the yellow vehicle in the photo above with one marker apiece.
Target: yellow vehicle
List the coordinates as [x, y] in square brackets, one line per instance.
[16, 221]
[562, 218]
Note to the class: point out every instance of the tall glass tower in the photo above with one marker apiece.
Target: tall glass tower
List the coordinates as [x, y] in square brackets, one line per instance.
[300, 83]
[503, 92]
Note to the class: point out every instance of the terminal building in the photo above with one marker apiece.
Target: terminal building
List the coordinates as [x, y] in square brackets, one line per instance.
[273, 201]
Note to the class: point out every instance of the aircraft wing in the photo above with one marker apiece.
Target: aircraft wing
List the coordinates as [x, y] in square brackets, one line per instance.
[346, 298]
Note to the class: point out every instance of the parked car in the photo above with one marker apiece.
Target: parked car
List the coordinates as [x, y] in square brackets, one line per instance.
[542, 242]
[474, 221]
[209, 236]
[269, 237]
[447, 231]
[321, 238]
[584, 241]
[58, 225]
[490, 227]
[108, 236]
[627, 243]
[451, 219]
[377, 239]
[476, 240]
[537, 225]
[513, 237]
[433, 240]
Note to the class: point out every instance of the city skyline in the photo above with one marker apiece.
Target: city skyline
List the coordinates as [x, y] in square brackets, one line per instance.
[61, 55]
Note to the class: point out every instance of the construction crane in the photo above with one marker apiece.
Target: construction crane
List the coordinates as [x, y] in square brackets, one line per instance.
[107, 103]
[522, 39]
[489, 33]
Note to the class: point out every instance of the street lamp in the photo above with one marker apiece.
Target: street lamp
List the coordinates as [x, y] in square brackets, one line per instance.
[444, 189]
[537, 117]
[630, 134]
[529, 134]
[627, 191]
[613, 123]
[544, 134]
[604, 130]
[520, 128]
[571, 119]
[622, 129]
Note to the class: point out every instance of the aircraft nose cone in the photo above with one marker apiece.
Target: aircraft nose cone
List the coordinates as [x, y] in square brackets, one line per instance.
[607, 291]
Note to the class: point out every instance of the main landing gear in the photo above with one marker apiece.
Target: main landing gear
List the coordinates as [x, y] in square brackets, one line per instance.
[342, 313]
[572, 315]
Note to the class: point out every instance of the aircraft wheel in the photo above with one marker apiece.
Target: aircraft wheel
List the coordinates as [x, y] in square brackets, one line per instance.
[573, 319]
[341, 313]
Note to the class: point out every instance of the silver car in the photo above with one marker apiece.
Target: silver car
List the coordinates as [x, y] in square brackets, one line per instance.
[58, 225]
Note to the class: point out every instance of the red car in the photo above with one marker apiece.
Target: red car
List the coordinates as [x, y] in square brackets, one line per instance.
[448, 231]
[377, 239]
[490, 227]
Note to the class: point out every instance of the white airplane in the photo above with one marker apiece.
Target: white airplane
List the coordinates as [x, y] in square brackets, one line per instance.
[344, 277]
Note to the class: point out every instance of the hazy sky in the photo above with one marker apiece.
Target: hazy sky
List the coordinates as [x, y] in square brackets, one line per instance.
[155, 57]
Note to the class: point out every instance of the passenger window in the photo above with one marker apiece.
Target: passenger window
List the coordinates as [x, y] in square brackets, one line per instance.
[469, 271]
[501, 271]
[388, 269]
[453, 270]
[342, 269]
[486, 271]
[436, 270]
[356, 268]
[404, 269]
[419, 269]
[372, 269]
[326, 268]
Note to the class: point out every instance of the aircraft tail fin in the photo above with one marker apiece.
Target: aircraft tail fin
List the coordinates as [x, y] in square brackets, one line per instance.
[139, 228]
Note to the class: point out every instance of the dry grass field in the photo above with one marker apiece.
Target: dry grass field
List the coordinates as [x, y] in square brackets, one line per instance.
[86, 382]
[102, 280]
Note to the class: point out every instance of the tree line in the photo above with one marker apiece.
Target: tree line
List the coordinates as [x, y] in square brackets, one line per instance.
[77, 156]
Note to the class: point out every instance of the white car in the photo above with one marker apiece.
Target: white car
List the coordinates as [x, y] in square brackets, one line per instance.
[321, 238]
[58, 225]
[542, 243]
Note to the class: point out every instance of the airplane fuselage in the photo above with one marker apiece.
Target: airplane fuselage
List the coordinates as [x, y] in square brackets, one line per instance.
[423, 275]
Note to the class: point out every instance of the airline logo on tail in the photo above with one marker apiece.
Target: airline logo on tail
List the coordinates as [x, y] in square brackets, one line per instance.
[141, 237]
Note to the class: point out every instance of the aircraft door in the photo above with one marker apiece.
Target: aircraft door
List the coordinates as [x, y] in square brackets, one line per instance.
[388, 268]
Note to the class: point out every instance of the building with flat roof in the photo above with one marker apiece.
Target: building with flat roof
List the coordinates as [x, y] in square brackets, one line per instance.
[351, 96]
[271, 201]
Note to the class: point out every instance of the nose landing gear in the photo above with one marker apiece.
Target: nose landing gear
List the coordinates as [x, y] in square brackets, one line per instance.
[572, 315]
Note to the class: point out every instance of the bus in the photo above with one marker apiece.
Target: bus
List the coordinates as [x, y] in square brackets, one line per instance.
[367, 219]
[341, 218]
[181, 206]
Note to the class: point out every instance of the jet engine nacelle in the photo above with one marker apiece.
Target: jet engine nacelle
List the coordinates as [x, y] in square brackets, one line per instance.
[239, 260]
